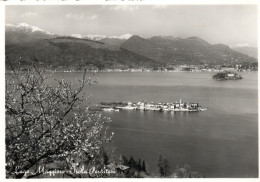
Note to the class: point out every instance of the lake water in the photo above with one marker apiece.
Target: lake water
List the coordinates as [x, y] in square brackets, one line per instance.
[219, 142]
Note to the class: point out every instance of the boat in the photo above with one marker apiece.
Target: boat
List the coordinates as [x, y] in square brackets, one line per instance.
[129, 108]
[202, 109]
[108, 109]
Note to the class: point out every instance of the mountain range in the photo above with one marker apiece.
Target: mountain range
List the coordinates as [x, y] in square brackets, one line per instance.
[25, 42]
[191, 51]
[24, 32]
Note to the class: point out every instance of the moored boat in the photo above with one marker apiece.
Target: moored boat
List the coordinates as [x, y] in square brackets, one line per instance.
[108, 109]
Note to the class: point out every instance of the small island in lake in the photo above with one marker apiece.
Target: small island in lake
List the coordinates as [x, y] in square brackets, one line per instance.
[177, 106]
[228, 75]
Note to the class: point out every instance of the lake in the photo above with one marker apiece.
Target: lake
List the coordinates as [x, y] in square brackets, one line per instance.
[219, 142]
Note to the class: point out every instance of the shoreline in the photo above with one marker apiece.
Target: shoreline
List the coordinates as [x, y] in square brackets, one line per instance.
[117, 71]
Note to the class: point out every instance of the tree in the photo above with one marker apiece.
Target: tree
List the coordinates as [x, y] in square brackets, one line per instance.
[139, 165]
[105, 158]
[160, 166]
[144, 167]
[125, 160]
[44, 126]
[185, 172]
[132, 163]
[164, 167]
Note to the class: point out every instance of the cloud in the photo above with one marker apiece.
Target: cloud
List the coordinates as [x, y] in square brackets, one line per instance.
[92, 17]
[242, 44]
[75, 16]
[124, 8]
[28, 14]
[80, 16]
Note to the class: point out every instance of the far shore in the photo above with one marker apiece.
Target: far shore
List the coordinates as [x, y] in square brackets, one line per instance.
[133, 71]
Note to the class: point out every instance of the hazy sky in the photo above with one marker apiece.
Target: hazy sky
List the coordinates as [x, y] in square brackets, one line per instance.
[234, 25]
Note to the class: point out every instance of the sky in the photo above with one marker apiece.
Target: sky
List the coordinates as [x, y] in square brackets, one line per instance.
[233, 25]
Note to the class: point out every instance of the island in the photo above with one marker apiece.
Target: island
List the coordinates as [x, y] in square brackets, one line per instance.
[145, 106]
[227, 75]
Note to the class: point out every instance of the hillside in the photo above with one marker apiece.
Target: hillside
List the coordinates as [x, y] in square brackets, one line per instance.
[113, 41]
[250, 51]
[191, 51]
[73, 53]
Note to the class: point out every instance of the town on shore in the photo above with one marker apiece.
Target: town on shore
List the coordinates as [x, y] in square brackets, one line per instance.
[171, 68]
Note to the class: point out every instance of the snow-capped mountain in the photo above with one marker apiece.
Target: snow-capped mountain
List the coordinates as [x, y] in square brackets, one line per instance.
[100, 37]
[24, 32]
[94, 37]
[125, 36]
[111, 40]
[24, 27]
[116, 40]
[76, 36]
[29, 29]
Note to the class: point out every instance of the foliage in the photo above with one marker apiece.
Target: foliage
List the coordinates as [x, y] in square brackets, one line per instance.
[185, 172]
[143, 168]
[251, 66]
[220, 75]
[43, 125]
[224, 76]
[164, 167]
[179, 172]
[136, 169]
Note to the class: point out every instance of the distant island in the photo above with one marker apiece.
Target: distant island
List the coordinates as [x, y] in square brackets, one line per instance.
[177, 106]
[228, 75]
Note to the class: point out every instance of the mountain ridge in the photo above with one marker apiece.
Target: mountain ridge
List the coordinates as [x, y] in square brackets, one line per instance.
[192, 50]
[156, 51]
[73, 53]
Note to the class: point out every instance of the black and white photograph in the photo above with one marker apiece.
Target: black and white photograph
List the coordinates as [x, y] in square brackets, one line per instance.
[131, 91]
